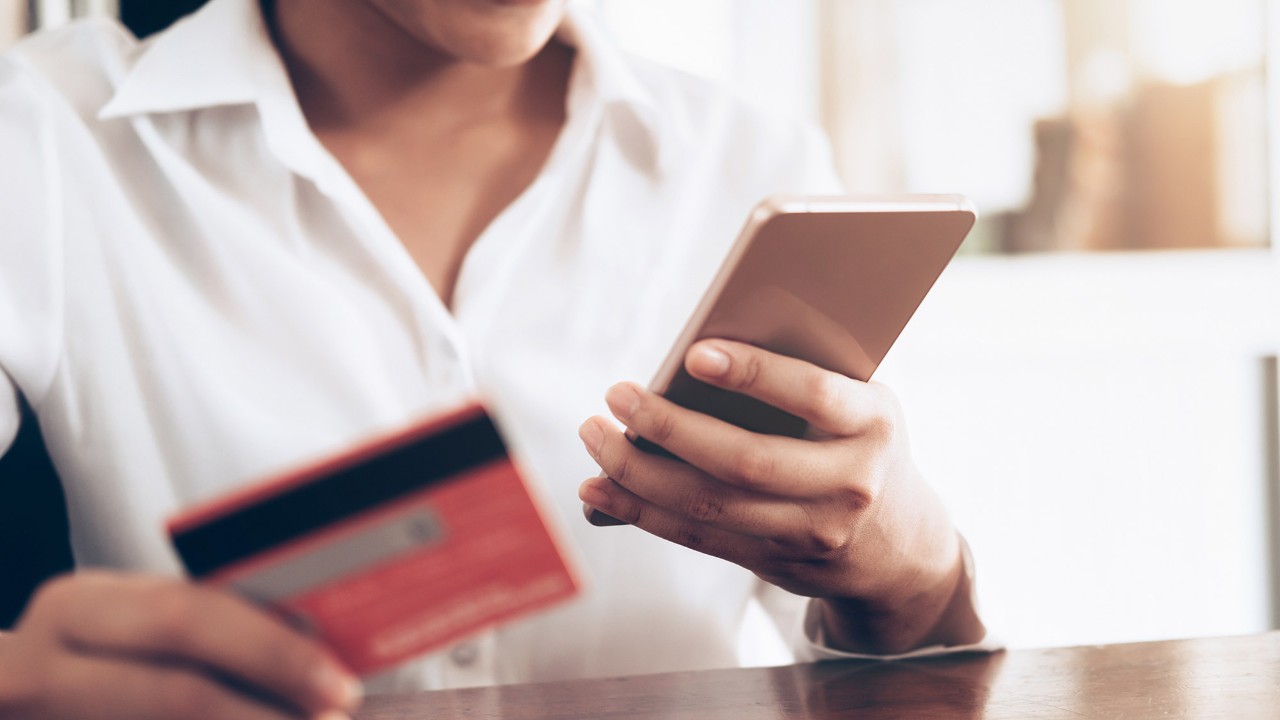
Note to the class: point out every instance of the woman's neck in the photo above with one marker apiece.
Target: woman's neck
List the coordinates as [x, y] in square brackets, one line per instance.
[355, 69]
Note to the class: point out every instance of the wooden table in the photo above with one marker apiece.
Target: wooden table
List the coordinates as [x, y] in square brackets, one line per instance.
[1236, 678]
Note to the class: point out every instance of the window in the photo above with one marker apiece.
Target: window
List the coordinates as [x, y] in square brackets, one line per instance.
[1074, 124]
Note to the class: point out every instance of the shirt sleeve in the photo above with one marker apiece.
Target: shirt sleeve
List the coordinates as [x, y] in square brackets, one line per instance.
[813, 645]
[30, 274]
[799, 624]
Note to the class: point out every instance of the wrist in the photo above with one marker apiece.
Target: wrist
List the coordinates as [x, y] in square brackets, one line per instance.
[939, 611]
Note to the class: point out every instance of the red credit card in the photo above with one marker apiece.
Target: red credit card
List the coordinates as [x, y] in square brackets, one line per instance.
[395, 548]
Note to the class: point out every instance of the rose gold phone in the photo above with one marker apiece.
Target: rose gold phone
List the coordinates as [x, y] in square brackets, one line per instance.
[830, 280]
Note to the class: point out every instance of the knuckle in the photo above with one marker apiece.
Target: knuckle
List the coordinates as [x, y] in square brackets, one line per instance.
[858, 493]
[826, 542]
[628, 512]
[884, 422]
[824, 393]
[881, 428]
[661, 427]
[860, 497]
[827, 537]
[705, 505]
[881, 424]
[688, 536]
[750, 369]
[622, 468]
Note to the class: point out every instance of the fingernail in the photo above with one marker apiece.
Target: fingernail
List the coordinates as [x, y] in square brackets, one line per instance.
[709, 361]
[338, 687]
[592, 436]
[623, 400]
[594, 495]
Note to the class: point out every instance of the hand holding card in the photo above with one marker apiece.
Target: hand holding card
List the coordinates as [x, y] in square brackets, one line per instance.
[388, 551]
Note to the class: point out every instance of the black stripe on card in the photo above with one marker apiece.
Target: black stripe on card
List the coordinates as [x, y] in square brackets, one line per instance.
[346, 491]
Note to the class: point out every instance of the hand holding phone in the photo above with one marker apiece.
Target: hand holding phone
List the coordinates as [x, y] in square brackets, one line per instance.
[777, 454]
[828, 280]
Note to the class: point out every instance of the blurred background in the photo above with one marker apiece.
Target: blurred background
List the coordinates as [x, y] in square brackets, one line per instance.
[1092, 385]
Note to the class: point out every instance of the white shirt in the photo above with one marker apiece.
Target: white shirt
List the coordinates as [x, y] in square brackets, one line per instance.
[194, 295]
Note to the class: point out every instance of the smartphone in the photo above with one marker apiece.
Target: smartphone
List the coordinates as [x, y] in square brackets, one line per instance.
[829, 280]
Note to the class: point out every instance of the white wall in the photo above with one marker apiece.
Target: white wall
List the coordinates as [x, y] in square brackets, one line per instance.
[1095, 424]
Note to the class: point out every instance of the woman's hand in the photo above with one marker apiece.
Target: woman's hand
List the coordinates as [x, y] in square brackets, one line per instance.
[842, 514]
[99, 645]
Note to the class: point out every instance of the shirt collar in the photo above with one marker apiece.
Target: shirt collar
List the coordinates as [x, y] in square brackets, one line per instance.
[224, 55]
[604, 77]
[213, 57]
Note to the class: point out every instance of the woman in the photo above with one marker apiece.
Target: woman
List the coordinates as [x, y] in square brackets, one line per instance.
[276, 229]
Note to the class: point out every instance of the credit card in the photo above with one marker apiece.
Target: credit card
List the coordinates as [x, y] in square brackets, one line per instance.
[395, 548]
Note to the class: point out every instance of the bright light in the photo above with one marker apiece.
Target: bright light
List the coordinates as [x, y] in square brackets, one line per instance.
[1188, 41]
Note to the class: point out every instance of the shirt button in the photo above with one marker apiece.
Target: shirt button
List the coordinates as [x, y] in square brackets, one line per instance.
[464, 655]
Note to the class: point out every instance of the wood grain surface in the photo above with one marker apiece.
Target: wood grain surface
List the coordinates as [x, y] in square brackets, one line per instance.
[1236, 678]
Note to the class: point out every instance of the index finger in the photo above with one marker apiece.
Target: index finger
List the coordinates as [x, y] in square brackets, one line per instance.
[826, 400]
[170, 620]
